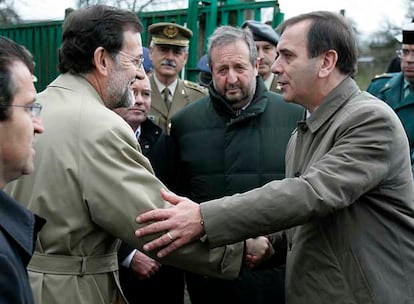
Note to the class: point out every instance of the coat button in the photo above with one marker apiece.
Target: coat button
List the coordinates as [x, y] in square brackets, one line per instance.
[303, 126]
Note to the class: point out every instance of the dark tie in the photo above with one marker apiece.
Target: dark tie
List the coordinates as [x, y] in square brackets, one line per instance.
[166, 95]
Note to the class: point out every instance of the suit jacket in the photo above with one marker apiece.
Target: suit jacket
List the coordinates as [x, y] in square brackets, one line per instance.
[185, 93]
[90, 183]
[18, 231]
[390, 88]
[348, 199]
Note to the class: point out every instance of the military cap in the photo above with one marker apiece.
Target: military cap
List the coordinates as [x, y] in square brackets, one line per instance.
[261, 31]
[202, 64]
[170, 33]
[204, 77]
[408, 34]
[147, 60]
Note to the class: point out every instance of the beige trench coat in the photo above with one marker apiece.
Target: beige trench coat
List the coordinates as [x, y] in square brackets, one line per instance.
[90, 182]
[350, 197]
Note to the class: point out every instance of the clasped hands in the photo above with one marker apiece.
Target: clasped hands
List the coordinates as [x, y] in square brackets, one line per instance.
[182, 224]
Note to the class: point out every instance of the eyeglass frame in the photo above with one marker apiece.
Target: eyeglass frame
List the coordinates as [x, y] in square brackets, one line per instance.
[34, 108]
[138, 62]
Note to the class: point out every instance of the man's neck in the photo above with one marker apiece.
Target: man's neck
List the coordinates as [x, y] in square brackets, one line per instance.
[165, 80]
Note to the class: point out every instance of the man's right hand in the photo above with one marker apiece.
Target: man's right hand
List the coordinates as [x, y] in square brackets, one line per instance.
[181, 224]
[144, 266]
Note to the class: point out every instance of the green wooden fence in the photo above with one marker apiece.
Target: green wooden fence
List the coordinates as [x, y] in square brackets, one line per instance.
[202, 17]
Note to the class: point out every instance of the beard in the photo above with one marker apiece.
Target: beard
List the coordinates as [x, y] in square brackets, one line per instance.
[127, 99]
[119, 92]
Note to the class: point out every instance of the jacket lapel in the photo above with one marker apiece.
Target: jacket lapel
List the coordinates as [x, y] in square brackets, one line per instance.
[180, 98]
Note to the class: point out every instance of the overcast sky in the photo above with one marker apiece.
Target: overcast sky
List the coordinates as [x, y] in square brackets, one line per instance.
[368, 14]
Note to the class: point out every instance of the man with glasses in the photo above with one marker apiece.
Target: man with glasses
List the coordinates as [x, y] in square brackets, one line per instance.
[169, 53]
[397, 89]
[91, 178]
[19, 123]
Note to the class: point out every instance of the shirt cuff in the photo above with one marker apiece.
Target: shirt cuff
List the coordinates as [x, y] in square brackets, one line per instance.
[127, 261]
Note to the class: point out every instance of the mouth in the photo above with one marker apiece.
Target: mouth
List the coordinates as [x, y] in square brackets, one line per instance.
[281, 84]
[233, 91]
[409, 70]
[137, 110]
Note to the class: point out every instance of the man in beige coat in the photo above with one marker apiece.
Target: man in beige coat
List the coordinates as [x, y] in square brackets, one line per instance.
[347, 204]
[90, 178]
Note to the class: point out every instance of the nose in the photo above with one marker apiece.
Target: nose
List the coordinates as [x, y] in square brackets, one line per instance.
[138, 98]
[169, 53]
[276, 67]
[259, 53]
[231, 76]
[37, 125]
[140, 75]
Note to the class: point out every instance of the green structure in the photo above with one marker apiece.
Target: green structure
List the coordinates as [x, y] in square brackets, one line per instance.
[202, 17]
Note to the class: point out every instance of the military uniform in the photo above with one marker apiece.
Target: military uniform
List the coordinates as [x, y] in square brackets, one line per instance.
[173, 36]
[185, 92]
[391, 88]
[263, 32]
[274, 87]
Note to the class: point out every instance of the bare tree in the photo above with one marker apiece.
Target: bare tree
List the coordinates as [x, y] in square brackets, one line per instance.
[410, 9]
[133, 5]
[8, 14]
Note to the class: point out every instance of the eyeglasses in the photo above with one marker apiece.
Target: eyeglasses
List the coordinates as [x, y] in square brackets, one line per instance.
[404, 53]
[34, 108]
[136, 61]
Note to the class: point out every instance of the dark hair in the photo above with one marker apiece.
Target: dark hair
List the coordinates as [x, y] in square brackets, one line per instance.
[329, 31]
[10, 52]
[87, 29]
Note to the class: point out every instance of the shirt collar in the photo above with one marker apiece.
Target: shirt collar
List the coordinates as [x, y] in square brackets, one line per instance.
[161, 86]
[269, 80]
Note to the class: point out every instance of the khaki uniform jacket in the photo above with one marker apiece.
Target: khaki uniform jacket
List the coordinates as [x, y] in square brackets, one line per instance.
[90, 183]
[274, 86]
[350, 196]
[185, 93]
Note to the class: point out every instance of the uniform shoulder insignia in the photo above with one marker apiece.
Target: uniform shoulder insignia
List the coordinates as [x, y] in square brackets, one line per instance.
[195, 86]
[384, 75]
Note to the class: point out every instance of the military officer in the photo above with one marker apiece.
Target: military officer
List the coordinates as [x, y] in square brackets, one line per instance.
[397, 89]
[169, 53]
[266, 40]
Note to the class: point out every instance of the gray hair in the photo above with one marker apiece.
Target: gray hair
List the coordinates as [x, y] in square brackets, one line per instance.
[225, 35]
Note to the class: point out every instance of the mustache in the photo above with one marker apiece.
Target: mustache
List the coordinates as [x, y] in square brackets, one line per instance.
[169, 62]
[232, 86]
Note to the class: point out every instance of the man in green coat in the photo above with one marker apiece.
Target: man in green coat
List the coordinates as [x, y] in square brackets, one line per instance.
[397, 89]
[229, 142]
